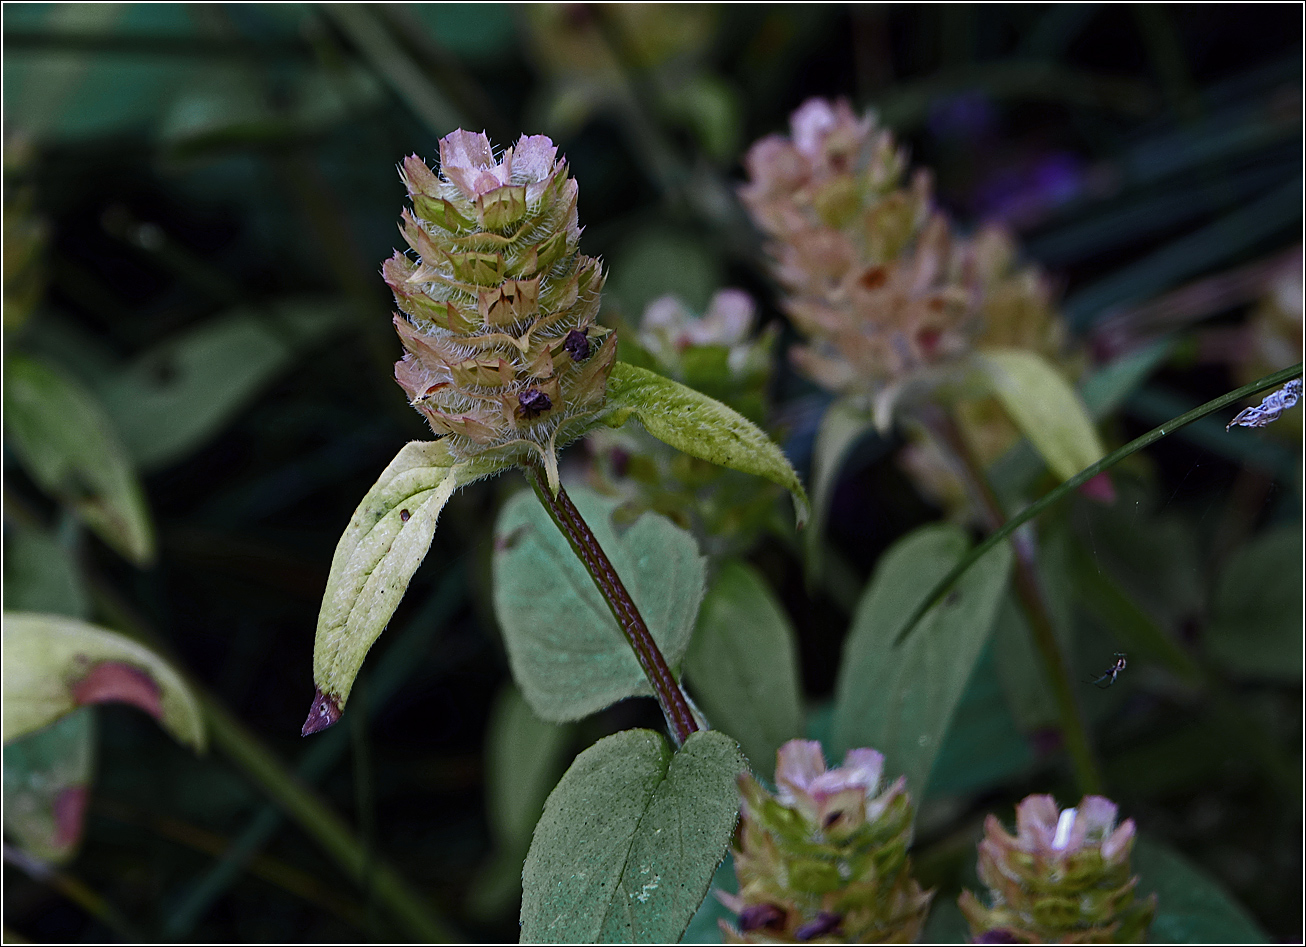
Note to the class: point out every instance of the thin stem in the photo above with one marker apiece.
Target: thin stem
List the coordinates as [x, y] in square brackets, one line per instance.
[1030, 592]
[1088, 473]
[680, 719]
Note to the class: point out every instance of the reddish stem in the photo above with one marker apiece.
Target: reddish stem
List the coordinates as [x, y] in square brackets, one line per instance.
[680, 720]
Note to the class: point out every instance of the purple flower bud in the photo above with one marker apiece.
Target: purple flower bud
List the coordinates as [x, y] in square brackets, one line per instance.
[534, 402]
[577, 344]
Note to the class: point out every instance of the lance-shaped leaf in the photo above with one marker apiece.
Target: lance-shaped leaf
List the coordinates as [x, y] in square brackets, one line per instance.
[700, 426]
[567, 653]
[68, 446]
[384, 543]
[47, 778]
[629, 840]
[1045, 408]
[901, 699]
[53, 665]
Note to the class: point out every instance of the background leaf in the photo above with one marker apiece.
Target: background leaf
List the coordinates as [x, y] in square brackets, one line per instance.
[69, 448]
[841, 427]
[1191, 907]
[47, 777]
[601, 867]
[40, 574]
[46, 657]
[701, 427]
[1045, 408]
[1256, 615]
[567, 653]
[743, 664]
[524, 756]
[185, 390]
[900, 700]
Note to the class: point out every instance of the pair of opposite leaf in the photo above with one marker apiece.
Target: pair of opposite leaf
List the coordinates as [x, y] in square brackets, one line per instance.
[505, 360]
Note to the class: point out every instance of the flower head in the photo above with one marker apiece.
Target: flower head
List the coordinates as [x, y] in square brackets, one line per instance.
[825, 858]
[1062, 878]
[503, 354]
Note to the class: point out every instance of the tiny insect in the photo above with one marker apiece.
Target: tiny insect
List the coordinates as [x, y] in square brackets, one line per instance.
[1108, 677]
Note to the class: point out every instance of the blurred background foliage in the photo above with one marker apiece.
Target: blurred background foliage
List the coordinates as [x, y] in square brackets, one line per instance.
[197, 198]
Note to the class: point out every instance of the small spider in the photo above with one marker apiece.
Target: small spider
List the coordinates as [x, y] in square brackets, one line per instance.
[1108, 677]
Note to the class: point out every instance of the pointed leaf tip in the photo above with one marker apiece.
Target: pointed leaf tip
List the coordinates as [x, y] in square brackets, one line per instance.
[324, 713]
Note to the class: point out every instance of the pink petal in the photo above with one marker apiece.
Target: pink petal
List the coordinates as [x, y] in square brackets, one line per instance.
[534, 157]
[464, 149]
[797, 763]
[1036, 821]
[863, 768]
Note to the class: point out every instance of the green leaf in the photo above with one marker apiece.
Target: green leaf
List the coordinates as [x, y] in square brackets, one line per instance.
[523, 760]
[524, 756]
[41, 574]
[185, 390]
[703, 928]
[900, 700]
[47, 778]
[630, 839]
[701, 427]
[567, 653]
[1045, 408]
[842, 426]
[1256, 616]
[69, 448]
[52, 665]
[1192, 908]
[743, 665]
[1024, 688]
[384, 543]
[983, 747]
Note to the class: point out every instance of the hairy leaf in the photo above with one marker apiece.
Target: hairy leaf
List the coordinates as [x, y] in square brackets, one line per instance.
[700, 426]
[629, 840]
[743, 664]
[384, 543]
[567, 653]
[901, 700]
[69, 448]
[1045, 408]
[52, 665]
[47, 777]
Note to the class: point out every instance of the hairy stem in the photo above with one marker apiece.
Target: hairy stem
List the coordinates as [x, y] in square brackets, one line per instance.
[1030, 592]
[680, 719]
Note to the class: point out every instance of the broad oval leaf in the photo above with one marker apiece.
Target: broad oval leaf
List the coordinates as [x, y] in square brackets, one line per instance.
[1045, 408]
[53, 665]
[384, 543]
[630, 839]
[700, 426]
[68, 446]
[743, 665]
[567, 653]
[1256, 615]
[900, 700]
[47, 777]
[1191, 907]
